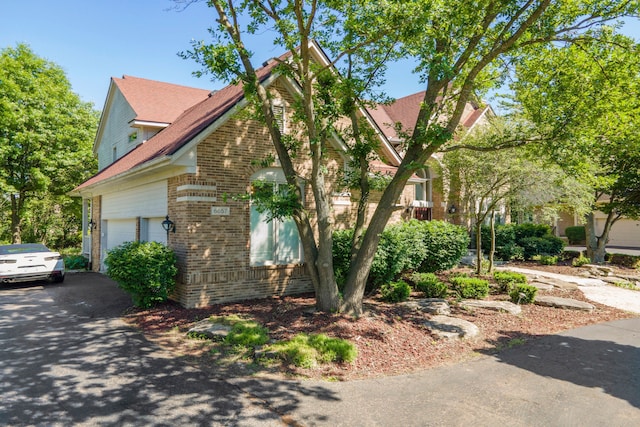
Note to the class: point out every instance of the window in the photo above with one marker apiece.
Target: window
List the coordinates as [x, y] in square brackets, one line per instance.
[278, 111]
[274, 242]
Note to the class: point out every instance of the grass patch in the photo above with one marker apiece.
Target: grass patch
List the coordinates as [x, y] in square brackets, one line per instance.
[307, 351]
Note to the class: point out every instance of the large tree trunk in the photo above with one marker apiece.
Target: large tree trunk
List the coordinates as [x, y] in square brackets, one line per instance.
[597, 245]
[16, 218]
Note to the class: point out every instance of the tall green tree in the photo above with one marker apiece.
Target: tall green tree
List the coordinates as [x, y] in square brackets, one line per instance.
[46, 133]
[461, 48]
[488, 180]
[588, 94]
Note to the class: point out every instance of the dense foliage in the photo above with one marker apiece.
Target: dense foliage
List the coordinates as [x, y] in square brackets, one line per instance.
[146, 270]
[46, 135]
[524, 241]
[575, 234]
[425, 246]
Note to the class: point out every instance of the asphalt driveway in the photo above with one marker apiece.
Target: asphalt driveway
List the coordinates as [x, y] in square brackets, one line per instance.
[67, 359]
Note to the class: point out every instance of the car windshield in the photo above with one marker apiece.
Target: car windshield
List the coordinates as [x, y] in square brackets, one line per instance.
[22, 248]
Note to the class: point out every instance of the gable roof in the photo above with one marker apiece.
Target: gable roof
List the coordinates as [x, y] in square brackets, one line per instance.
[180, 132]
[158, 102]
[405, 111]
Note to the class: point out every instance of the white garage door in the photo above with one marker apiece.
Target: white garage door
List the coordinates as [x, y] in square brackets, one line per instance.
[119, 231]
[625, 233]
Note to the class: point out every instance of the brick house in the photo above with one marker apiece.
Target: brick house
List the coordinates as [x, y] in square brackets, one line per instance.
[172, 153]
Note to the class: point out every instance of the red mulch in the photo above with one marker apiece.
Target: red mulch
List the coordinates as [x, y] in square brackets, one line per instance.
[390, 338]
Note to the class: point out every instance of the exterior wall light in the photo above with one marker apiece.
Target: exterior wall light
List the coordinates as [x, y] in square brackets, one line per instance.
[168, 225]
[92, 224]
[452, 209]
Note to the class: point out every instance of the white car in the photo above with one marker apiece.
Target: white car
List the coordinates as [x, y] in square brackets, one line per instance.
[28, 262]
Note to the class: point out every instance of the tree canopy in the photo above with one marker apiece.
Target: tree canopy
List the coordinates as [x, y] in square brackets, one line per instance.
[46, 135]
[587, 95]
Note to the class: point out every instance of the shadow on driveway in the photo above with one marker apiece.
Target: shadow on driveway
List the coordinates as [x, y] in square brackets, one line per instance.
[604, 356]
[66, 358]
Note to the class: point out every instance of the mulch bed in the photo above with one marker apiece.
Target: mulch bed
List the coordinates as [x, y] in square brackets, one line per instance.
[390, 338]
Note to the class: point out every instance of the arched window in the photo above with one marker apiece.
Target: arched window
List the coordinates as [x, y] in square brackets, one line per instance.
[274, 242]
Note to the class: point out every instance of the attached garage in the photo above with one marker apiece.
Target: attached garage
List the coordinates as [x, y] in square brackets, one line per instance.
[625, 233]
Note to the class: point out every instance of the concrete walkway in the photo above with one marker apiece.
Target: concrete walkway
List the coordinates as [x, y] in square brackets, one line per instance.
[593, 289]
[623, 251]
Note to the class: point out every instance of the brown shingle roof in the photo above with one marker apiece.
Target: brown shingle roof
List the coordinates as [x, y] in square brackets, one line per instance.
[159, 102]
[180, 132]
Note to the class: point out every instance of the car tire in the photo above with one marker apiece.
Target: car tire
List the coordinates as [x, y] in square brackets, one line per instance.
[57, 279]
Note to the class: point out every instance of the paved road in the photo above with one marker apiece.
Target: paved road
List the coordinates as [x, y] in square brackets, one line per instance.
[66, 359]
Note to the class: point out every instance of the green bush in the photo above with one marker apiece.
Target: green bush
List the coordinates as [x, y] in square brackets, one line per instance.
[548, 259]
[523, 294]
[429, 285]
[576, 234]
[510, 252]
[427, 246]
[580, 261]
[445, 243]
[505, 235]
[75, 262]
[546, 245]
[146, 270]
[508, 279]
[470, 287]
[395, 291]
[523, 231]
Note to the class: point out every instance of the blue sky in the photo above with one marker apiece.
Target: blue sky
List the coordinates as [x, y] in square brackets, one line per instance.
[93, 40]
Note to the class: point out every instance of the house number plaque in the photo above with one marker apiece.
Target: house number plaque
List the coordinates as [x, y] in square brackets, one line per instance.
[220, 210]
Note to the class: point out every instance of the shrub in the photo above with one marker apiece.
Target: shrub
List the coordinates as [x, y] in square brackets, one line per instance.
[470, 287]
[547, 245]
[427, 246]
[630, 261]
[576, 234]
[341, 255]
[146, 270]
[505, 235]
[395, 291]
[548, 259]
[75, 262]
[523, 294]
[510, 252]
[523, 231]
[507, 279]
[430, 285]
[389, 260]
[580, 261]
[446, 244]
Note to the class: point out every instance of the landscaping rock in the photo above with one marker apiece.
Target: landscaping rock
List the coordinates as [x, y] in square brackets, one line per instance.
[450, 327]
[567, 303]
[210, 330]
[541, 286]
[505, 306]
[430, 305]
[556, 283]
[598, 270]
